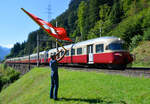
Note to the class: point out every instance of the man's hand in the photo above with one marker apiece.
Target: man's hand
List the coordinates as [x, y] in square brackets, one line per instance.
[65, 51]
[61, 50]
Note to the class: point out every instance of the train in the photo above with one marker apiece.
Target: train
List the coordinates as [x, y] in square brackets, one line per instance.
[106, 51]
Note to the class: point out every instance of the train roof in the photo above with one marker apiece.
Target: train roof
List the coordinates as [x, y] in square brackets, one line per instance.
[43, 52]
[92, 41]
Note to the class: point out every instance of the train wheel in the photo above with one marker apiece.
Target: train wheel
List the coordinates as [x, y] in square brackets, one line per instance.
[117, 66]
[101, 66]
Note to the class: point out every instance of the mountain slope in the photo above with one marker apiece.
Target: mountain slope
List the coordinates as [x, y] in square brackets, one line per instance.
[87, 19]
[3, 52]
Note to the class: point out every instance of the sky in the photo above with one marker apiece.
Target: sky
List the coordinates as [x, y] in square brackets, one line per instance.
[15, 25]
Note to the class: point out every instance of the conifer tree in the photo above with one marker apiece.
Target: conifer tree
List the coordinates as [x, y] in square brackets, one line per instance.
[94, 12]
[82, 17]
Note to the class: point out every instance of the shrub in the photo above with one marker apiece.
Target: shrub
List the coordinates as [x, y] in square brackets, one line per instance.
[146, 34]
[135, 41]
[7, 76]
[14, 77]
[0, 82]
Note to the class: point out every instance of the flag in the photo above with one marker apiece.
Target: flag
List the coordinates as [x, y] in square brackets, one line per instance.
[56, 32]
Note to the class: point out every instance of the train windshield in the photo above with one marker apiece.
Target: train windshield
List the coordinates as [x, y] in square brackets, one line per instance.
[115, 46]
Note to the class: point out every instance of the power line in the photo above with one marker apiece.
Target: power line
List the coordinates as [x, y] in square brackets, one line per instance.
[49, 11]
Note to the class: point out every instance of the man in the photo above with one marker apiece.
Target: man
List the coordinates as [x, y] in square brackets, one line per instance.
[54, 73]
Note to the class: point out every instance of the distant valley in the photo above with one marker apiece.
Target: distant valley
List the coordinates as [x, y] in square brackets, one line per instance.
[3, 52]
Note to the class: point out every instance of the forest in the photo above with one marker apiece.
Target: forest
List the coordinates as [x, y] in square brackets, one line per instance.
[87, 19]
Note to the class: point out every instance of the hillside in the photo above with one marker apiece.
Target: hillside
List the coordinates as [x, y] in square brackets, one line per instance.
[77, 87]
[142, 54]
[86, 19]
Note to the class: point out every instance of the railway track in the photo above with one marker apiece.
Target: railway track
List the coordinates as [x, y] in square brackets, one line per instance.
[134, 72]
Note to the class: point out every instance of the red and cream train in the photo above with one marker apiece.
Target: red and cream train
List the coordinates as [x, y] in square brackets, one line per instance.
[103, 51]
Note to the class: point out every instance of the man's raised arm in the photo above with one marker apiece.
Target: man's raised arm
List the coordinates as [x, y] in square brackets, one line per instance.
[59, 59]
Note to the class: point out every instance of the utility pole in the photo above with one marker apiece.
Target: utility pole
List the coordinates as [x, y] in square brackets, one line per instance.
[100, 31]
[49, 11]
[57, 39]
[37, 49]
[29, 53]
[29, 60]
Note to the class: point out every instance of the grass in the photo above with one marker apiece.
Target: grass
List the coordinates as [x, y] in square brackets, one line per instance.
[140, 65]
[77, 87]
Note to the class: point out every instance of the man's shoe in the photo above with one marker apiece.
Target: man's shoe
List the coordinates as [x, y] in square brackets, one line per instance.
[55, 98]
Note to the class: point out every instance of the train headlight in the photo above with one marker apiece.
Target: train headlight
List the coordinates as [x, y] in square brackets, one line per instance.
[118, 54]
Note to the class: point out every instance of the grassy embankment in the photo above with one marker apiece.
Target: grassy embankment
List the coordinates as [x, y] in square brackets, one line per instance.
[142, 55]
[77, 87]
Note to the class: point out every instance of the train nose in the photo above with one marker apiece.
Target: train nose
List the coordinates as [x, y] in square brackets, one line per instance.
[122, 58]
[119, 58]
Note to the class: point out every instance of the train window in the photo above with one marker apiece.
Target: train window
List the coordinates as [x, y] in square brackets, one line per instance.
[115, 46]
[79, 51]
[72, 51]
[99, 48]
[67, 54]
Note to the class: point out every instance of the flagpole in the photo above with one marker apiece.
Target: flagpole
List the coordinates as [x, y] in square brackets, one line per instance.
[37, 49]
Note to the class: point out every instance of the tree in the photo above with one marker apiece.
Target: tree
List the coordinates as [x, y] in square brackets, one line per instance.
[104, 12]
[82, 16]
[93, 12]
[72, 18]
[15, 50]
[117, 12]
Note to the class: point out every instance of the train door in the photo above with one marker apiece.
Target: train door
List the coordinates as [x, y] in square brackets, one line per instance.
[90, 53]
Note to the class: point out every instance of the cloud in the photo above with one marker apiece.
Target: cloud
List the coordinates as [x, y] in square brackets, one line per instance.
[7, 45]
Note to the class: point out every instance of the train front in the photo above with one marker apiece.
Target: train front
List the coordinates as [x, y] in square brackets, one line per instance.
[120, 56]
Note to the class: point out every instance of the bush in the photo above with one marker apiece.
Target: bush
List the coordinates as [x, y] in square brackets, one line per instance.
[3, 81]
[14, 77]
[7, 76]
[146, 34]
[0, 82]
[135, 41]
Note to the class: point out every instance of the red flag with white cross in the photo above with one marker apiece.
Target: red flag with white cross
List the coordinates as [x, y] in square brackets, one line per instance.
[56, 32]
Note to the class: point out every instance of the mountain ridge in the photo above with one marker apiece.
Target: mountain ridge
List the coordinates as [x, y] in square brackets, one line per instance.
[4, 52]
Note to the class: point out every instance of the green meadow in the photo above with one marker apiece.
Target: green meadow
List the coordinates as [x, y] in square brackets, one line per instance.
[77, 87]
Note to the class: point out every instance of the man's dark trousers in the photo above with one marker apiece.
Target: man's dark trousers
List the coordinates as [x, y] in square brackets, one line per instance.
[54, 86]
